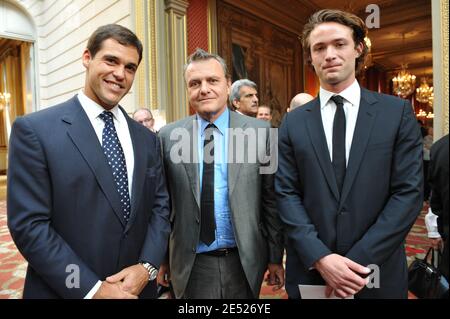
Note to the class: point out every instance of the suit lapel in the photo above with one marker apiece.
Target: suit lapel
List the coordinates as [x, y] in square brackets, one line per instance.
[364, 124]
[139, 168]
[83, 136]
[191, 166]
[236, 121]
[319, 142]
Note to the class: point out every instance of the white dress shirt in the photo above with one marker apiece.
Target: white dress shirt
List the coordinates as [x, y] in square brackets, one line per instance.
[352, 97]
[93, 110]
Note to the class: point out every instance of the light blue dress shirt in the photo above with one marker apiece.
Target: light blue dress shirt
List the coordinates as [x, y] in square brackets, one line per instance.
[224, 228]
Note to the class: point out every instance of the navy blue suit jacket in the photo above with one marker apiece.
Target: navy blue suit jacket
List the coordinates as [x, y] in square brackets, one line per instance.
[380, 200]
[64, 211]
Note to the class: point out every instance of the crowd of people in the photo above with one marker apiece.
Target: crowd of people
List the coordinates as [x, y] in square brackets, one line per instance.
[103, 207]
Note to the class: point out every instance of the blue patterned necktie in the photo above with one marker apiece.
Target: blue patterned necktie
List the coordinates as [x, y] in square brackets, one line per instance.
[116, 160]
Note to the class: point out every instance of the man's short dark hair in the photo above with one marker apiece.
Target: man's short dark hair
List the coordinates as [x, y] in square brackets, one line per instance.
[345, 18]
[116, 32]
[202, 55]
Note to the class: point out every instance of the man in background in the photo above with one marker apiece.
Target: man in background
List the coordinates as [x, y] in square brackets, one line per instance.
[145, 117]
[299, 100]
[244, 97]
[264, 113]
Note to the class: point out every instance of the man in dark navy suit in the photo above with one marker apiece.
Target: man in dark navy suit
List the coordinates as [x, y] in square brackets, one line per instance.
[349, 182]
[438, 178]
[87, 201]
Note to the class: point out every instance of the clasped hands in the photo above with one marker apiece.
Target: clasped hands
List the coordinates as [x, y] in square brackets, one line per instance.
[343, 276]
[126, 284]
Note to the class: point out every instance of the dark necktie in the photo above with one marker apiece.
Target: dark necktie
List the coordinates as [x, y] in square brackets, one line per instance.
[116, 160]
[208, 223]
[339, 162]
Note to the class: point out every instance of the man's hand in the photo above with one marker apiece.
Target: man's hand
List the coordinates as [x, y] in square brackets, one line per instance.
[163, 277]
[341, 275]
[275, 276]
[133, 279]
[112, 291]
[437, 243]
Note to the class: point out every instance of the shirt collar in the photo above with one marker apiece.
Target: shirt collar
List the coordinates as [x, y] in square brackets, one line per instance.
[93, 110]
[352, 94]
[222, 122]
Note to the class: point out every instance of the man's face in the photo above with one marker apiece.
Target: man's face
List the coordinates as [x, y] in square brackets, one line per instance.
[145, 118]
[110, 73]
[333, 55]
[264, 113]
[248, 102]
[208, 88]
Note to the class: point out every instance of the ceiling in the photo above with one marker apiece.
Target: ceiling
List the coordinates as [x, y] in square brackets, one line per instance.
[411, 18]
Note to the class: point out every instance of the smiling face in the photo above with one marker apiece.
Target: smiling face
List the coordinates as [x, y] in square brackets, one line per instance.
[264, 113]
[333, 55]
[208, 88]
[110, 73]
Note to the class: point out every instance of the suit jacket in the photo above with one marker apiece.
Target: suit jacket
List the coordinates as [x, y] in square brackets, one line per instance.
[381, 196]
[64, 212]
[438, 178]
[256, 225]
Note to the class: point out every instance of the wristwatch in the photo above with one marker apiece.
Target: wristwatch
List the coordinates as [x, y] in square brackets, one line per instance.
[152, 271]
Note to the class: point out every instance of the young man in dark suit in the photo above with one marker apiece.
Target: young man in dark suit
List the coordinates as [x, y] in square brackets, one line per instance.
[349, 182]
[87, 201]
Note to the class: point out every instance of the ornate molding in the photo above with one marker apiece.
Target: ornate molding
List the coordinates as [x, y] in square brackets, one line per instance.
[212, 26]
[140, 78]
[445, 64]
[152, 55]
[176, 48]
[440, 27]
[178, 7]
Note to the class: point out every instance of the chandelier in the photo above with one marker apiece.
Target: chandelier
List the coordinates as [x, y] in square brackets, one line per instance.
[369, 59]
[424, 92]
[431, 99]
[404, 83]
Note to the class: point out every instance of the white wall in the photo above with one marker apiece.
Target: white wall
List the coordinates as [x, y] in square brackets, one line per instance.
[63, 28]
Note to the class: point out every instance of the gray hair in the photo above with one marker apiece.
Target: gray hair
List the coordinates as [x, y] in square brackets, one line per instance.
[236, 87]
[202, 55]
[143, 109]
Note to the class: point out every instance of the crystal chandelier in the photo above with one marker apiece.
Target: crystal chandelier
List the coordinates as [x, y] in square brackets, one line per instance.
[404, 83]
[369, 59]
[431, 99]
[424, 92]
